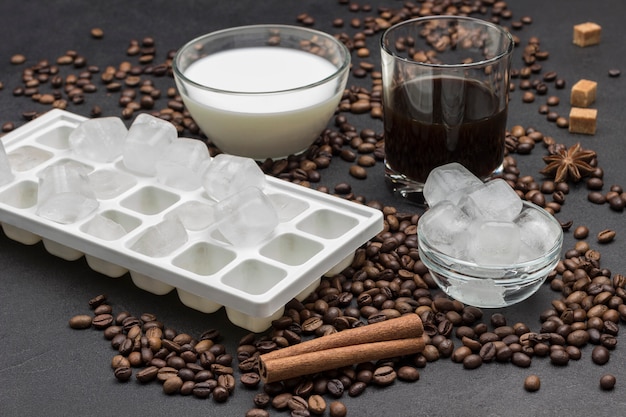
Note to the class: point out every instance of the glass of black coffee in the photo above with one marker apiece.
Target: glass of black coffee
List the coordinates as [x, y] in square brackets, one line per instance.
[445, 98]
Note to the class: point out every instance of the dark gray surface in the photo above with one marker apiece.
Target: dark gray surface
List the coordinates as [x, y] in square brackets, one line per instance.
[49, 370]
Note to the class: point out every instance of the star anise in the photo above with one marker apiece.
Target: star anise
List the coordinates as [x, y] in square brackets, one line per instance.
[569, 164]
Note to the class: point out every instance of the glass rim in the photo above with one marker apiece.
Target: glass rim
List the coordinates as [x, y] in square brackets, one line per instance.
[345, 62]
[507, 51]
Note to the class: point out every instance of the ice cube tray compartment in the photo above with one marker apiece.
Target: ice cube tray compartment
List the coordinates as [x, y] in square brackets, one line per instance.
[317, 232]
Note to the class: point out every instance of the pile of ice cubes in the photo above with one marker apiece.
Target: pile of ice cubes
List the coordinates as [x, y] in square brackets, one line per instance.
[151, 148]
[485, 223]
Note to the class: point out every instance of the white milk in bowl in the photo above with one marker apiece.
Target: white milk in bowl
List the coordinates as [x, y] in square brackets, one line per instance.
[262, 102]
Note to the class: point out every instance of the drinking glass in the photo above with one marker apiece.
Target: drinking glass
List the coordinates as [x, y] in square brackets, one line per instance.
[445, 98]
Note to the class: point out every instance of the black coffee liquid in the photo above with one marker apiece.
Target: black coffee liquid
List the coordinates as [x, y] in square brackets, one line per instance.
[434, 121]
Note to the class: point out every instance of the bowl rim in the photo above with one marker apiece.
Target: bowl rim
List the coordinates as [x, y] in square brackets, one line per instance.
[345, 63]
[546, 259]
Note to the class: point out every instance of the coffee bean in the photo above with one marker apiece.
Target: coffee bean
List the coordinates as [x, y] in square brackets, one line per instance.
[559, 357]
[521, 359]
[607, 382]
[257, 412]
[80, 321]
[335, 387]
[250, 379]
[614, 72]
[317, 404]
[357, 388]
[147, 374]
[532, 383]
[472, 361]
[338, 409]
[123, 373]
[606, 236]
[581, 232]
[600, 355]
[220, 394]
[102, 321]
[172, 385]
[408, 373]
[358, 172]
[18, 59]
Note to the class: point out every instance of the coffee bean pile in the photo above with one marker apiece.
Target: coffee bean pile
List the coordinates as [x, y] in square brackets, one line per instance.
[153, 352]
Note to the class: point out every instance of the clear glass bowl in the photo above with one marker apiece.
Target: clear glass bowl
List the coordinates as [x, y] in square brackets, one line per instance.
[273, 115]
[490, 286]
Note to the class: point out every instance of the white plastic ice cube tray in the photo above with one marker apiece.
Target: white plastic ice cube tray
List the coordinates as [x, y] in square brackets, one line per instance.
[317, 233]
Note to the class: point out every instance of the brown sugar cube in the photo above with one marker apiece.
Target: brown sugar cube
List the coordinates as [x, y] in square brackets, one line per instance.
[587, 34]
[583, 93]
[583, 120]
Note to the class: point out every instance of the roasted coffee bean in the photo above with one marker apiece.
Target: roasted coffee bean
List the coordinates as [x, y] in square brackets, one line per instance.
[607, 382]
[472, 361]
[102, 321]
[606, 236]
[408, 373]
[262, 400]
[532, 383]
[581, 232]
[80, 321]
[357, 388]
[521, 359]
[600, 355]
[123, 373]
[250, 379]
[559, 357]
[337, 409]
[316, 404]
[172, 385]
[220, 394]
[147, 374]
[335, 387]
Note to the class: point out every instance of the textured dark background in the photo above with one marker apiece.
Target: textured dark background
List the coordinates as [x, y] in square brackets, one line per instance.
[46, 369]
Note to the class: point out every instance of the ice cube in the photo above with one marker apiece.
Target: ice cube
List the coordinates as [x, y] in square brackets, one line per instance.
[445, 182]
[179, 166]
[100, 139]
[494, 242]
[246, 217]
[162, 239]
[6, 173]
[495, 200]
[147, 139]
[537, 233]
[64, 193]
[27, 157]
[228, 174]
[194, 215]
[105, 228]
[445, 227]
[108, 184]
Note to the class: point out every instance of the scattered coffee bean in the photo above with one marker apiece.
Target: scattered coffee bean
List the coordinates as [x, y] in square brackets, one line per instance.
[606, 236]
[607, 382]
[80, 321]
[97, 33]
[532, 383]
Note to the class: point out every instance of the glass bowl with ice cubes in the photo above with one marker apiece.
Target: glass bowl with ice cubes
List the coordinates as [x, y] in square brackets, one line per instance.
[262, 91]
[482, 244]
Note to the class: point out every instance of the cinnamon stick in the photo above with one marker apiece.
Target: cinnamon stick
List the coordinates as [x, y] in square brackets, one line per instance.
[395, 337]
[279, 369]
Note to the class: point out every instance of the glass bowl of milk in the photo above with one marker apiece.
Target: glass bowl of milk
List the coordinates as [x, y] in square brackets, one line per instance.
[262, 91]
